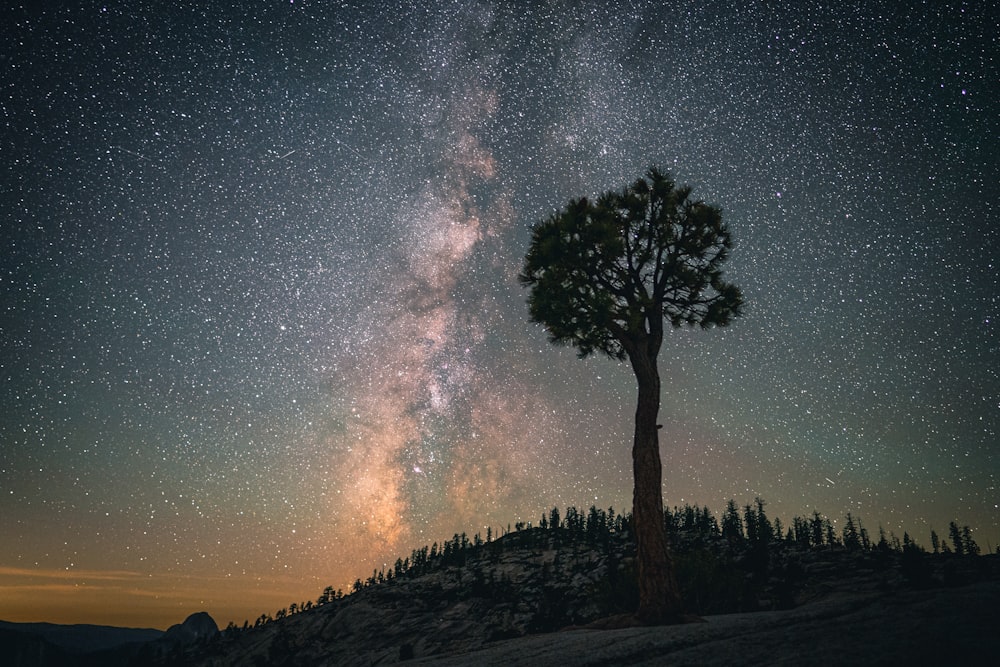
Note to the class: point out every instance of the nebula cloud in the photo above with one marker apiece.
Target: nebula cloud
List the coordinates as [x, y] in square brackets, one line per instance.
[412, 428]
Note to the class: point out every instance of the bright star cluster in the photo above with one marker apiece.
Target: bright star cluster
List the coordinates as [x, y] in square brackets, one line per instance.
[261, 330]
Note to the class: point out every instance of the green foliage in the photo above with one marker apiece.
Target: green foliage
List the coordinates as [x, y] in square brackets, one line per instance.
[605, 274]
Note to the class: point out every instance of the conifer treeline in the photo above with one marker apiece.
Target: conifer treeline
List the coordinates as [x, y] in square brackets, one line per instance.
[748, 528]
[750, 524]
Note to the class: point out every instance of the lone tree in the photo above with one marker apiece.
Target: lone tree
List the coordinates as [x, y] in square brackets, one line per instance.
[604, 277]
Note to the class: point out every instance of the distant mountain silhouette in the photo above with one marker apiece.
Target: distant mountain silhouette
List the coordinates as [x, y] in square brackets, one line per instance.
[24, 649]
[83, 638]
[52, 645]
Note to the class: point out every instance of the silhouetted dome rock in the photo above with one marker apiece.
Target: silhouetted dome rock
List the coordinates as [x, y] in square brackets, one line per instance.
[195, 627]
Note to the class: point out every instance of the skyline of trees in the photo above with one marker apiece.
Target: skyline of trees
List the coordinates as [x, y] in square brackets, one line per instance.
[746, 528]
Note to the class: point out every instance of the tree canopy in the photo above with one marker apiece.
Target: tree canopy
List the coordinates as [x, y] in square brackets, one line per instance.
[605, 275]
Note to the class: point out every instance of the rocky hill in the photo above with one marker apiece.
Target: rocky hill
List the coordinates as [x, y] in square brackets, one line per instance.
[522, 599]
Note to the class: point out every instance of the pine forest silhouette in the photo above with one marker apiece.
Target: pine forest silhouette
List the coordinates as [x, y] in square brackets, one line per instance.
[723, 564]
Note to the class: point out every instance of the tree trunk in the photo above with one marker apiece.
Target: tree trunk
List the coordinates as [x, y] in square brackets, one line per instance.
[659, 595]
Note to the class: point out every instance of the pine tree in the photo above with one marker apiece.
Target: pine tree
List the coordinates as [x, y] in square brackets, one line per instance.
[803, 535]
[831, 537]
[957, 543]
[750, 521]
[852, 542]
[605, 276]
[883, 542]
[764, 529]
[968, 544]
[689, 517]
[816, 526]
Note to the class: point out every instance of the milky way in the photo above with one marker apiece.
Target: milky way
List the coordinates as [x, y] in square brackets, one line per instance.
[261, 328]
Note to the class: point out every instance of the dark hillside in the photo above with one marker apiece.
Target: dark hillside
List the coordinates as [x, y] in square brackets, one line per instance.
[478, 595]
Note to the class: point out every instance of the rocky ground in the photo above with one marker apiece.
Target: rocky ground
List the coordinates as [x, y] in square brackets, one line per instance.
[941, 627]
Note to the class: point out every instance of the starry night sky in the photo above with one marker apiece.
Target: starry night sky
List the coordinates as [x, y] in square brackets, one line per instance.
[261, 330]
